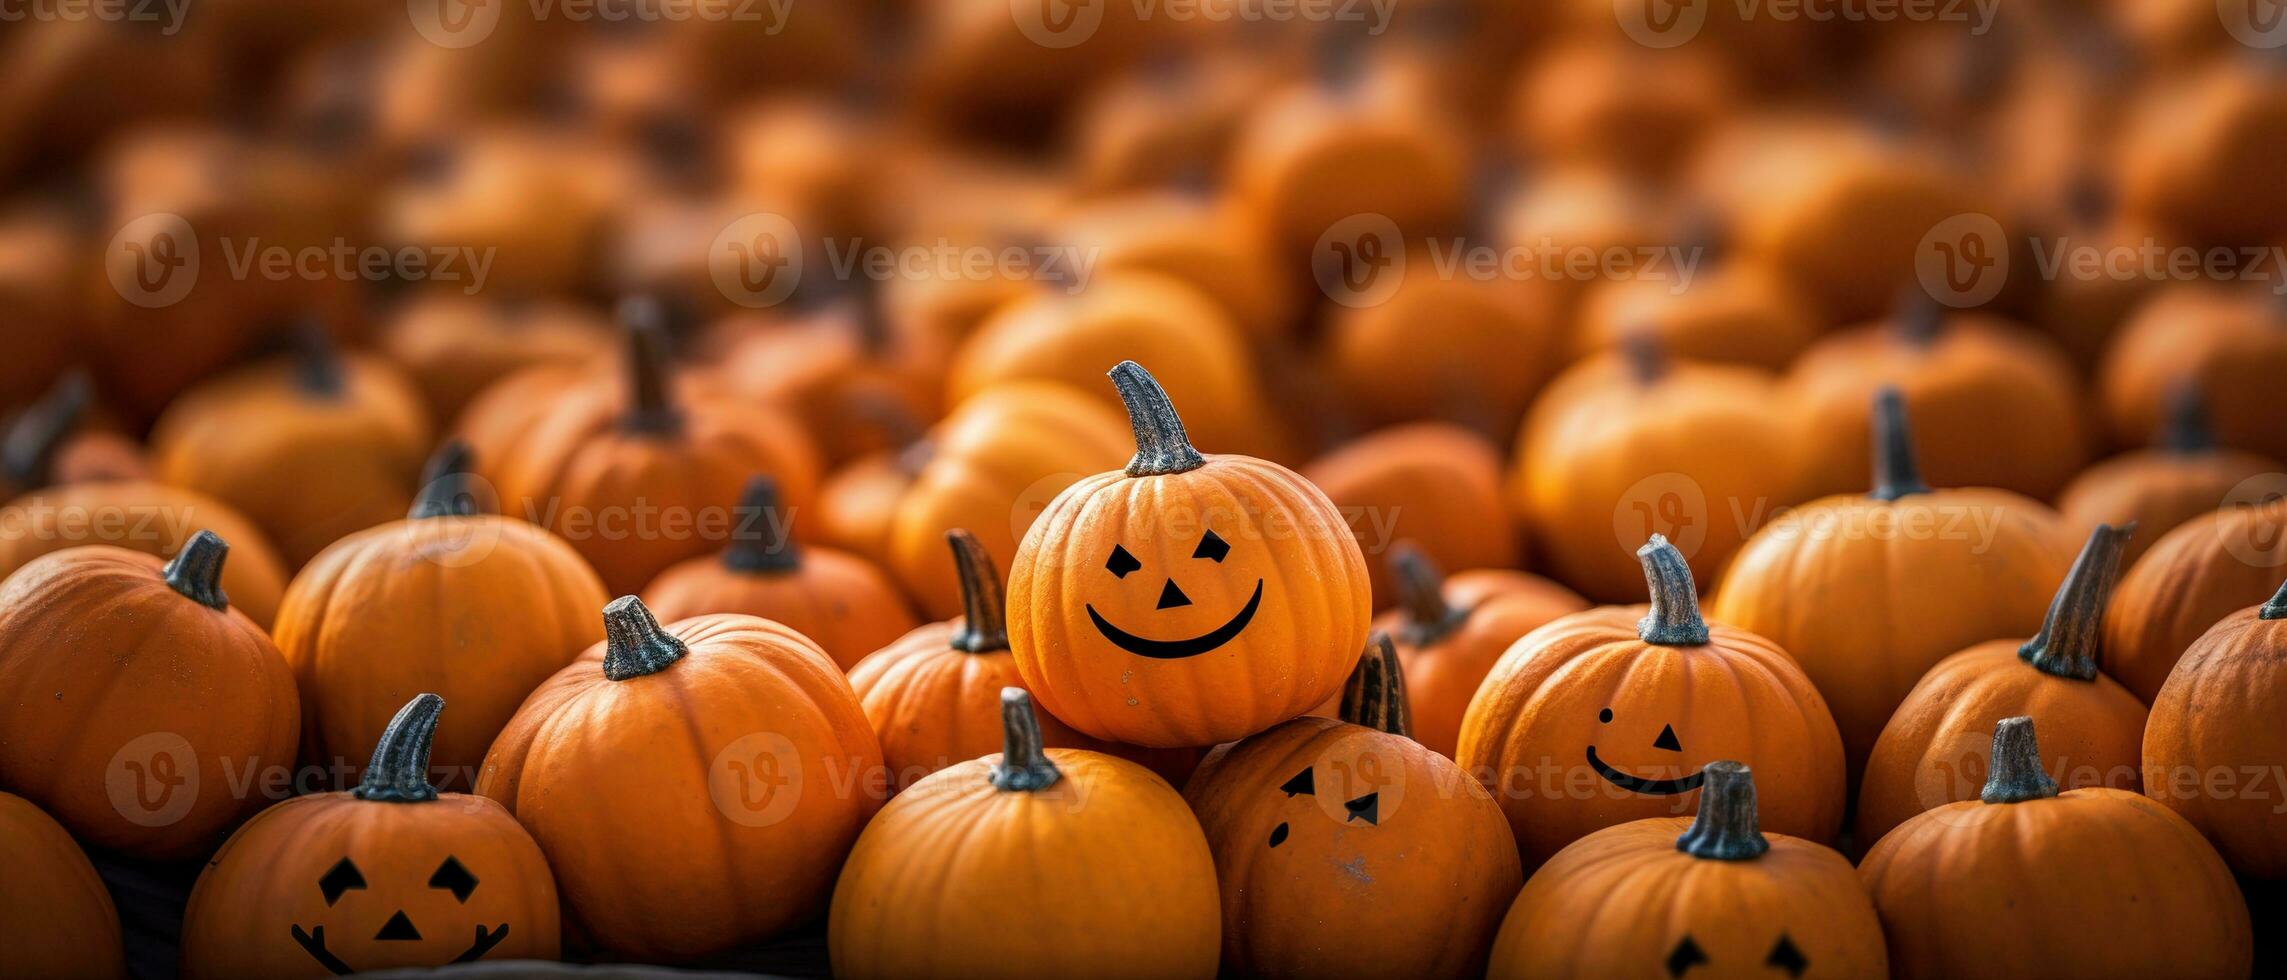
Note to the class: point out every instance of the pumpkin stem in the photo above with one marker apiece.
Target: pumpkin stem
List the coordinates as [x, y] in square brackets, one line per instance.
[2186, 431]
[28, 450]
[2276, 609]
[445, 484]
[399, 772]
[984, 607]
[1024, 765]
[2015, 774]
[1897, 471]
[317, 363]
[196, 571]
[1726, 828]
[635, 645]
[650, 411]
[1647, 359]
[1162, 447]
[1375, 695]
[1920, 318]
[1421, 590]
[1674, 620]
[2072, 635]
[766, 549]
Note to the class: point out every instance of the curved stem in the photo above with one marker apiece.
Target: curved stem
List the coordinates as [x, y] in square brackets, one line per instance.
[650, 410]
[196, 571]
[2015, 774]
[317, 363]
[2186, 431]
[1674, 620]
[1647, 359]
[445, 484]
[1162, 447]
[1375, 695]
[2276, 609]
[28, 449]
[1727, 828]
[984, 607]
[635, 645]
[1897, 472]
[399, 772]
[1024, 765]
[1421, 590]
[760, 545]
[2072, 635]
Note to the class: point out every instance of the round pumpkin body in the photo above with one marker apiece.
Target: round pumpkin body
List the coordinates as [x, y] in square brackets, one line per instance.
[1433, 484]
[1197, 241]
[454, 346]
[2200, 132]
[1607, 102]
[2218, 712]
[2191, 579]
[1739, 312]
[2158, 490]
[1366, 142]
[1461, 348]
[2225, 342]
[1451, 637]
[56, 916]
[152, 518]
[857, 504]
[41, 256]
[853, 383]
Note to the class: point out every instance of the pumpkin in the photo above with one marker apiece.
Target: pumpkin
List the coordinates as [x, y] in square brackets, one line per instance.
[694, 786]
[837, 599]
[41, 256]
[1735, 312]
[1577, 211]
[990, 467]
[2193, 578]
[455, 346]
[2225, 341]
[2218, 713]
[167, 693]
[52, 442]
[1932, 750]
[980, 71]
[421, 605]
[1434, 484]
[857, 504]
[2196, 146]
[856, 385]
[641, 479]
[1464, 348]
[1868, 592]
[1994, 405]
[2018, 881]
[816, 154]
[1617, 703]
[1630, 444]
[1033, 862]
[312, 447]
[151, 518]
[2183, 476]
[1608, 102]
[1204, 242]
[1451, 631]
[56, 917]
[389, 874]
[1710, 894]
[1346, 848]
[1204, 656]
[1173, 118]
[537, 202]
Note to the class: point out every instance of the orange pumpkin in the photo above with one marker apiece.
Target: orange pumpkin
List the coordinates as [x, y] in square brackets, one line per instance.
[1430, 483]
[537, 202]
[1451, 631]
[2026, 881]
[56, 916]
[1346, 848]
[1641, 693]
[451, 599]
[1464, 348]
[1609, 102]
[41, 258]
[390, 874]
[1578, 211]
[2218, 713]
[1738, 312]
[2193, 578]
[1201, 241]
[1174, 118]
[837, 599]
[733, 743]
[855, 383]
[1932, 751]
[2196, 147]
[1868, 592]
[1093, 867]
[2225, 341]
[1709, 895]
[133, 740]
[2159, 489]
[51, 442]
[455, 346]
[857, 504]
[152, 518]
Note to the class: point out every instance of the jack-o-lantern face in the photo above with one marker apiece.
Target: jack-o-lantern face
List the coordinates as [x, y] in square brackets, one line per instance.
[1354, 783]
[1666, 742]
[346, 882]
[1123, 564]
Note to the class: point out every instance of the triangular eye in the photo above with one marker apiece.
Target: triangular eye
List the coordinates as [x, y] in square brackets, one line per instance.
[1211, 548]
[1121, 563]
[1685, 956]
[1786, 957]
[1302, 784]
[342, 877]
[451, 875]
[1367, 808]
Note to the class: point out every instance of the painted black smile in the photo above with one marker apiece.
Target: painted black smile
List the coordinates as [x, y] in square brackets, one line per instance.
[1638, 784]
[313, 942]
[1178, 649]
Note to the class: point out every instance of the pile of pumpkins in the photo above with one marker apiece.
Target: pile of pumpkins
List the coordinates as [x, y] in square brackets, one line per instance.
[603, 614]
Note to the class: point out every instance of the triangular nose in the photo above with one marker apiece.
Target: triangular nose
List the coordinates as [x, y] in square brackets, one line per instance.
[1667, 739]
[1170, 597]
[398, 927]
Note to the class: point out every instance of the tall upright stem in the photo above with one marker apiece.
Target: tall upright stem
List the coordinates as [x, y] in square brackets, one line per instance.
[1024, 765]
[1162, 446]
[2187, 431]
[317, 363]
[1897, 472]
[2073, 634]
[1375, 695]
[984, 606]
[1675, 619]
[650, 408]
[760, 545]
[399, 772]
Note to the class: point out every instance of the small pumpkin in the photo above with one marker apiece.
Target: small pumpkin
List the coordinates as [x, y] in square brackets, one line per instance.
[1932, 750]
[2159, 489]
[2226, 341]
[138, 694]
[2193, 578]
[840, 601]
[857, 504]
[1578, 211]
[2196, 146]
[1738, 311]
[1174, 117]
[1451, 631]
[1710, 894]
[1605, 101]
[1460, 348]
[41, 258]
[389, 874]
[455, 346]
[2013, 883]
[1630, 697]
[682, 781]
[152, 518]
[1200, 240]
[1346, 848]
[56, 916]
[1434, 484]
[539, 202]
[843, 370]
[2218, 712]
[1034, 862]
[53, 441]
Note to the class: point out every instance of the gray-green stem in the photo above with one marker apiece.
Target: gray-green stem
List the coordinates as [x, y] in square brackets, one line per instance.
[1675, 620]
[1024, 765]
[1421, 590]
[2186, 431]
[2276, 609]
[2073, 634]
[1162, 446]
[760, 545]
[399, 772]
[1897, 472]
[1727, 827]
[984, 606]
[28, 451]
[317, 363]
[2015, 775]
[445, 484]
[635, 645]
[650, 409]
[196, 571]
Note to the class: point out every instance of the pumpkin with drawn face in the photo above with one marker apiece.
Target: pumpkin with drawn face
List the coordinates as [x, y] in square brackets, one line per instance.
[390, 874]
[1188, 599]
[1609, 715]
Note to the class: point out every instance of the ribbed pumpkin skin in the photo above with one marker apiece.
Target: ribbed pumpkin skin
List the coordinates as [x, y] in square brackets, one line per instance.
[933, 706]
[56, 917]
[1648, 896]
[264, 882]
[477, 609]
[2221, 711]
[2093, 883]
[634, 793]
[1444, 676]
[838, 600]
[152, 518]
[1738, 698]
[1933, 750]
[143, 662]
[1419, 893]
[1296, 651]
[2158, 490]
[1433, 484]
[955, 879]
[2193, 578]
